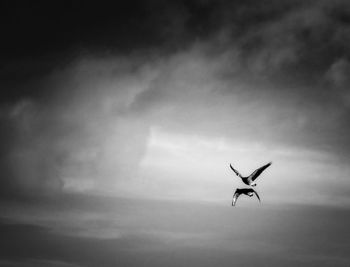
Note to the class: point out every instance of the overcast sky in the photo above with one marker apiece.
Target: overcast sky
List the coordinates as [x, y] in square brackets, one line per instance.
[153, 100]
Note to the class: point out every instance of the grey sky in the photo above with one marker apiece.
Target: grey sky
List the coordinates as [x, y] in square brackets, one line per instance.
[92, 231]
[146, 105]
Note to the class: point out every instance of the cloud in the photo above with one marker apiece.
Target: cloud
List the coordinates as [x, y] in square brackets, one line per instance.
[78, 134]
[93, 129]
[269, 75]
[338, 76]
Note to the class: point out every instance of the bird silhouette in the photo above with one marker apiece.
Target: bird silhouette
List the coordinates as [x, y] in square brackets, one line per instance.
[249, 180]
[245, 191]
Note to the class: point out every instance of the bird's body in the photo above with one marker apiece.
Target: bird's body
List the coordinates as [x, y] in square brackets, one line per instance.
[245, 191]
[249, 180]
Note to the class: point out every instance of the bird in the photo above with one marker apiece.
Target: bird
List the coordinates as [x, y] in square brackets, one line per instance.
[246, 191]
[249, 180]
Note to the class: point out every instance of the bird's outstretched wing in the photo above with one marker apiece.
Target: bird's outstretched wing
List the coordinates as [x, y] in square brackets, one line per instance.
[235, 197]
[258, 171]
[256, 195]
[236, 172]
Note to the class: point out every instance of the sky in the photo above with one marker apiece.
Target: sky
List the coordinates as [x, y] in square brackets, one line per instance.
[119, 122]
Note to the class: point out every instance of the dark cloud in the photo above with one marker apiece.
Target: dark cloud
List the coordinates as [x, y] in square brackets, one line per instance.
[29, 161]
[58, 28]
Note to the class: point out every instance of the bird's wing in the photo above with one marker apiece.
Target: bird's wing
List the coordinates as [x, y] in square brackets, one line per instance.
[235, 197]
[256, 195]
[257, 172]
[236, 172]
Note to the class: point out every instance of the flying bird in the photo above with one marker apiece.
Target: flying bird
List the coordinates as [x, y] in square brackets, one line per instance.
[249, 180]
[245, 191]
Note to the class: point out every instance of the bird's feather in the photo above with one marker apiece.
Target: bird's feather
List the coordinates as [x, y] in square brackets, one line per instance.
[234, 198]
[236, 172]
[258, 171]
[257, 195]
